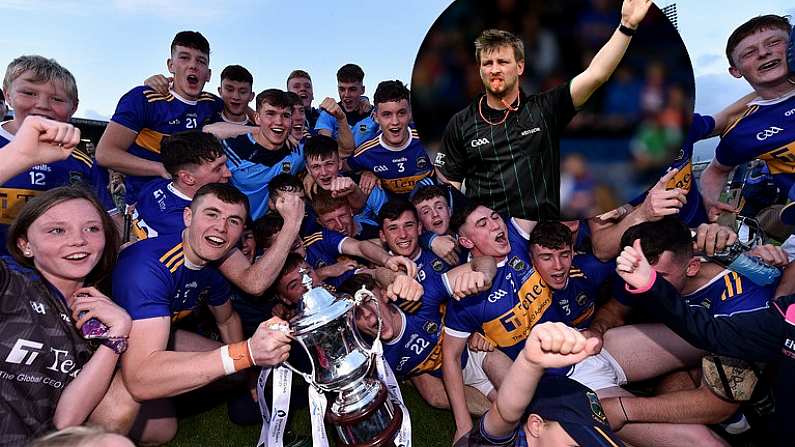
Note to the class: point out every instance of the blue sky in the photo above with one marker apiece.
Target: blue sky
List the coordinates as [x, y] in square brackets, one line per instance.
[111, 46]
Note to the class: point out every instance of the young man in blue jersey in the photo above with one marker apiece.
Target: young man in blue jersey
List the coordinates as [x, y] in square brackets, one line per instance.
[323, 164]
[505, 313]
[399, 232]
[300, 83]
[193, 159]
[756, 51]
[396, 156]
[336, 119]
[38, 86]
[179, 279]
[434, 208]
[255, 158]
[637, 348]
[131, 142]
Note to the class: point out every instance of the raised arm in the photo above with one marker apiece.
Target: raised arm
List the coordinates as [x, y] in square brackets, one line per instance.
[606, 60]
[713, 180]
[112, 153]
[257, 277]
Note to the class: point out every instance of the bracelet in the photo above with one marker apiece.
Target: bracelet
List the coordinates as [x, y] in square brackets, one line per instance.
[625, 30]
[250, 352]
[241, 355]
[652, 279]
[226, 359]
[116, 344]
[621, 402]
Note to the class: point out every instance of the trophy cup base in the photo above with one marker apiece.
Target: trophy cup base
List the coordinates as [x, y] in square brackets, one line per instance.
[373, 423]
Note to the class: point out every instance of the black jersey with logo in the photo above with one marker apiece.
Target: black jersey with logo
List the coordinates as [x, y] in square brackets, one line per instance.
[41, 352]
[512, 167]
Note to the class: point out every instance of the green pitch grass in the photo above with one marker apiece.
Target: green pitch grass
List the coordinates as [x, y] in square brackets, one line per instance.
[430, 427]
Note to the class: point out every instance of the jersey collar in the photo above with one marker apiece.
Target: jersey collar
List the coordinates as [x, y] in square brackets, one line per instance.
[177, 192]
[186, 101]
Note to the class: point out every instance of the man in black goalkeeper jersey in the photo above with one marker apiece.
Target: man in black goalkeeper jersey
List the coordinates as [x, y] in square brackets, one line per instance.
[506, 144]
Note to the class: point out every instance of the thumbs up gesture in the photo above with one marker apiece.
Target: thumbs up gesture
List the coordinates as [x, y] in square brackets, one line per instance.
[633, 267]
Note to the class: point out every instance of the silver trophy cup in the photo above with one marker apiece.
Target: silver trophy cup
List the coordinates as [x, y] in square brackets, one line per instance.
[342, 363]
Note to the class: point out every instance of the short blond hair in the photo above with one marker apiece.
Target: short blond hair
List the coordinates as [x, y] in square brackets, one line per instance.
[44, 70]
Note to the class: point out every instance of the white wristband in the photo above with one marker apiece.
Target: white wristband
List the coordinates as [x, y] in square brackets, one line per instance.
[229, 364]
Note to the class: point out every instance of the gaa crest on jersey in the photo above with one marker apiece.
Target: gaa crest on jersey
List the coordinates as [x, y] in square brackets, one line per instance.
[362, 127]
[422, 162]
[431, 327]
[75, 178]
[596, 408]
[517, 264]
[286, 166]
[437, 265]
[581, 299]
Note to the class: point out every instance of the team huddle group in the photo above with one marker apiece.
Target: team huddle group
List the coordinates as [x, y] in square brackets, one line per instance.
[622, 329]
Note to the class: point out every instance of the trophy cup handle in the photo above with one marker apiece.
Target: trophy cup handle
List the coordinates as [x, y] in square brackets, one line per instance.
[308, 377]
[361, 296]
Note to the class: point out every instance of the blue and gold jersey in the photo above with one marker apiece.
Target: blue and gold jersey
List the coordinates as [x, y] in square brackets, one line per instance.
[153, 279]
[78, 169]
[766, 131]
[153, 116]
[729, 293]
[417, 348]
[517, 300]
[577, 300]
[158, 210]
[324, 248]
[430, 269]
[398, 168]
[692, 213]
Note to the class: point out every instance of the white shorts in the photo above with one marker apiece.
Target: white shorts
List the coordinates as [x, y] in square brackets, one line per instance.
[598, 372]
[474, 375]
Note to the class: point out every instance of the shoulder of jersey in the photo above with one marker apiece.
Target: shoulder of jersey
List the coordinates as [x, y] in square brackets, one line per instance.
[748, 111]
[207, 96]
[312, 238]
[367, 145]
[82, 157]
[154, 96]
[173, 258]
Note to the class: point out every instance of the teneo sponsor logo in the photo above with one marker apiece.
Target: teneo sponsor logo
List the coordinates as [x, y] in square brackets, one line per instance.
[479, 142]
[767, 133]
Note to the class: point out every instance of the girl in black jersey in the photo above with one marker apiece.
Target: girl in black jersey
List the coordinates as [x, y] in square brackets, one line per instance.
[62, 243]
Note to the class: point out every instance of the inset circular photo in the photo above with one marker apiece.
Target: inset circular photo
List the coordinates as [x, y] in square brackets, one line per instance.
[581, 135]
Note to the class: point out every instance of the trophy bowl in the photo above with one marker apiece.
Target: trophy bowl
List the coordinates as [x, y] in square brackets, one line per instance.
[362, 413]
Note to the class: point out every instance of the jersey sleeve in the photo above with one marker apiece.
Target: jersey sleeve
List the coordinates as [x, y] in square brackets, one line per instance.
[451, 159]
[131, 112]
[357, 163]
[220, 290]
[459, 320]
[557, 108]
[141, 286]
[326, 121]
[375, 201]
[727, 155]
[332, 242]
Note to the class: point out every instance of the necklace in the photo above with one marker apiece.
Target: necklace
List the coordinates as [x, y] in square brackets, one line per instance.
[508, 109]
